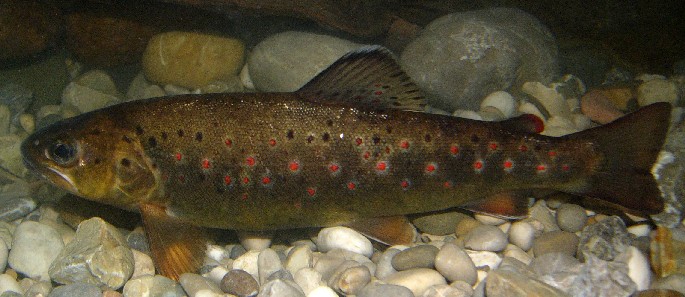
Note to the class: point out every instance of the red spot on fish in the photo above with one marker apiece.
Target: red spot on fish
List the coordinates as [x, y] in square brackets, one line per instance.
[552, 154]
[266, 180]
[430, 168]
[250, 161]
[206, 164]
[351, 186]
[246, 180]
[358, 141]
[493, 146]
[228, 142]
[311, 191]
[294, 166]
[378, 93]
[541, 168]
[179, 156]
[478, 165]
[367, 155]
[333, 168]
[508, 164]
[523, 148]
[565, 167]
[454, 150]
[272, 142]
[381, 166]
[404, 144]
[447, 185]
[404, 184]
[227, 180]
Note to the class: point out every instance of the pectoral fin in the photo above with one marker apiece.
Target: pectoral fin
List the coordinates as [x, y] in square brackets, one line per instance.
[177, 247]
[387, 230]
[509, 205]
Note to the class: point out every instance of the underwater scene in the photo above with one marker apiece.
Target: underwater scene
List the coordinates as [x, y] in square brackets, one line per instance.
[319, 148]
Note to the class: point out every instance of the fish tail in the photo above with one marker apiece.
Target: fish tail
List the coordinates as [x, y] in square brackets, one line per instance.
[627, 150]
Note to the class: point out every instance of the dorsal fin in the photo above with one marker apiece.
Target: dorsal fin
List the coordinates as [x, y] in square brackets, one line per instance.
[366, 78]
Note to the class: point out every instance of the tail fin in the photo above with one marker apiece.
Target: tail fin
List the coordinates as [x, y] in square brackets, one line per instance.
[629, 147]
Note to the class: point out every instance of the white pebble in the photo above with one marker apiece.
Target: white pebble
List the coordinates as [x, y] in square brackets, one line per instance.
[215, 252]
[489, 220]
[248, 263]
[640, 230]
[8, 283]
[517, 253]
[657, 90]
[483, 258]
[322, 291]
[254, 241]
[344, 238]
[217, 274]
[522, 234]
[308, 279]
[485, 238]
[245, 78]
[502, 101]
[505, 227]
[638, 268]
[491, 114]
[34, 248]
[418, 280]
[299, 257]
[552, 100]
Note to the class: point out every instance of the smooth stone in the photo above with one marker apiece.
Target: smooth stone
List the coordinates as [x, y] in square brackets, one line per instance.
[149, 285]
[351, 280]
[465, 288]
[384, 290]
[76, 289]
[555, 242]
[468, 55]
[553, 263]
[605, 239]
[541, 213]
[268, 262]
[347, 255]
[322, 291]
[517, 253]
[439, 223]
[7, 233]
[34, 248]
[638, 267]
[143, 264]
[9, 283]
[280, 274]
[38, 289]
[239, 283]
[486, 238]
[280, 288]
[299, 257]
[384, 266]
[235, 251]
[599, 108]
[327, 265]
[489, 220]
[249, 263]
[193, 283]
[277, 63]
[522, 234]
[192, 60]
[444, 291]
[674, 282]
[98, 255]
[137, 240]
[216, 274]
[455, 264]
[11, 160]
[343, 238]
[254, 240]
[15, 208]
[657, 90]
[418, 280]
[90, 91]
[510, 283]
[640, 230]
[308, 279]
[502, 101]
[481, 259]
[571, 217]
[420, 256]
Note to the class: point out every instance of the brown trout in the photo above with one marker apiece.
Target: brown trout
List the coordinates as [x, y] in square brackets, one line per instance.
[349, 147]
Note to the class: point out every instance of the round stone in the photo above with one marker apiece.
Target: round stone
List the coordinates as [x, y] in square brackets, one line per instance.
[486, 238]
[384, 290]
[239, 283]
[34, 248]
[268, 262]
[299, 257]
[571, 217]
[343, 238]
[439, 223]
[418, 280]
[322, 291]
[465, 225]
[308, 279]
[455, 264]
[351, 280]
[76, 289]
[384, 264]
[421, 256]
[556, 242]
[522, 234]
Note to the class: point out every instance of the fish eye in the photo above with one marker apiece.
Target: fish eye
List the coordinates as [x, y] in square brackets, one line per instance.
[61, 152]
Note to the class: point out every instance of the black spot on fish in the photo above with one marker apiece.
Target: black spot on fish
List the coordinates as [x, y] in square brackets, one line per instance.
[388, 130]
[126, 139]
[202, 177]
[95, 132]
[97, 161]
[220, 189]
[329, 123]
[139, 130]
[474, 138]
[537, 148]
[290, 134]
[164, 136]
[125, 162]
[180, 133]
[427, 138]
[310, 138]
[153, 165]
[152, 141]
[326, 137]
[198, 136]
[215, 124]
[376, 139]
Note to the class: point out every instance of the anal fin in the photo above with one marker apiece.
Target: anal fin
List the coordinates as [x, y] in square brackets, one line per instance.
[177, 247]
[508, 205]
[387, 230]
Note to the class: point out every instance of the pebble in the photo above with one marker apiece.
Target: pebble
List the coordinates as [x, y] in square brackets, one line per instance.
[571, 217]
[300, 256]
[510, 283]
[674, 282]
[601, 278]
[502, 101]
[9, 283]
[254, 241]
[605, 239]
[638, 267]
[239, 283]
[351, 280]
[4, 253]
[343, 238]
[277, 63]
[384, 266]
[484, 260]
[249, 263]
[41, 288]
[420, 256]
[455, 264]
[322, 291]
[456, 55]
[556, 242]
[192, 60]
[90, 91]
[465, 225]
[658, 293]
[268, 262]
[541, 213]
[143, 264]
[327, 264]
[34, 248]
[308, 279]
[489, 220]
[522, 234]
[418, 280]
[193, 283]
[599, 108]
[76, 289]
[486, 238]
[657, 90]
[98, 255]
[384, 290]
[517, 253]
[280, 288]
[439, 223]
[148, 285]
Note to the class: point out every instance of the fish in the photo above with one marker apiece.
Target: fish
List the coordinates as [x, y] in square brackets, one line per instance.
[352, 147]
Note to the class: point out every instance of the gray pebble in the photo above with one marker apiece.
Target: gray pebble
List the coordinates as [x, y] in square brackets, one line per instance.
[143, 264]
[280, 274]
[605, 239]
[486, 238]
[76, 289]
[193, 283]
[16, 208]
[280, 288]
[541, 213]
[522, 234]
[555, 242]
[38, 289]
[35, 246]
[509, 283]
[137, 240]
[308, 279]
[300, 256]
[239, 283]
[351, 280]
[384, 266]
[553, 263]
[455, 264]
[420, 256]
[384, 290]
[440, 223]
[268, 262]
[571, 217]
[326, 265]
[149, 285]
[445, 291]
[236, 251]
[465, 225]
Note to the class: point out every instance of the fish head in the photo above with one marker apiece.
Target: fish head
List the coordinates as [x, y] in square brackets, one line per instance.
[93, 157]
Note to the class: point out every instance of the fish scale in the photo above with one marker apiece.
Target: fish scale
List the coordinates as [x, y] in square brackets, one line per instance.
[351, 147]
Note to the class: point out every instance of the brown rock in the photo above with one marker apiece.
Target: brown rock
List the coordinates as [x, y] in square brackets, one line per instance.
[599, 108]
[27, 27]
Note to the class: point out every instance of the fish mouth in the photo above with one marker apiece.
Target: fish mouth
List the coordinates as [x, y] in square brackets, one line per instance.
[52, 175]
